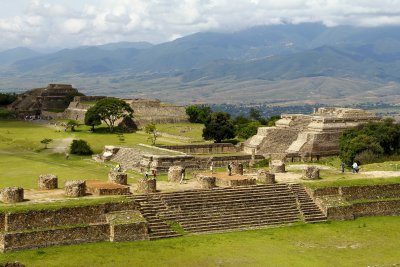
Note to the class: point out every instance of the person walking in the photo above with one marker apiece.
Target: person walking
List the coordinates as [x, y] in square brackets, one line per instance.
[342, 166]
[355, 167]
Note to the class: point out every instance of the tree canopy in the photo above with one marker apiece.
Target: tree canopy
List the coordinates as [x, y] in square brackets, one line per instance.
[198, 113]
[374, 140]
[92, 118]
[112, 109]
[218, 126]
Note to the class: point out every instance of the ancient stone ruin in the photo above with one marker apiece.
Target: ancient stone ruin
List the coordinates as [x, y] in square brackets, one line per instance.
[264, 177]
[37, 101]
[48, 182]
[118, 178]
[145, 111]
[277, 166]
[306, 137]
[310, 173]
[12, 194]
[175, 173]
[146, 186]
[75, 188]
[206, 181]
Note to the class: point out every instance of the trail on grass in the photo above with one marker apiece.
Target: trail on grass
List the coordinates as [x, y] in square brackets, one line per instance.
[61, 145]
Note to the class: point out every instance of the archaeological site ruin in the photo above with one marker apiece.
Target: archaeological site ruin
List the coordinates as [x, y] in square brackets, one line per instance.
[208, 187]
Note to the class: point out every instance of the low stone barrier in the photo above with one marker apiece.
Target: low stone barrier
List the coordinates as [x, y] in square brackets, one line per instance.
[265, 177]
[206, 182]
[310, 173]
[146, 186]
[175, 173]
[118, 178]
[12, 194]
[75, 188]
[48, 182]
[277, 166]
[46, 238]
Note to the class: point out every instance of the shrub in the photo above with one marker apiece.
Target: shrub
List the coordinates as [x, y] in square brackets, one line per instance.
[80, 147]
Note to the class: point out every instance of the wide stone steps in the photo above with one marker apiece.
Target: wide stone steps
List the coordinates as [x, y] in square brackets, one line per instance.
[311, 212]
[224, 209]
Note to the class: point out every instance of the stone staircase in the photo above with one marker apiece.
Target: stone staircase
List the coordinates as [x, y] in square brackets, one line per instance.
[227, 209]
[150, 206]
[311, 212]
[129, 158]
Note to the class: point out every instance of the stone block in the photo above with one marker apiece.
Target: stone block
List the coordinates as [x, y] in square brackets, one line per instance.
[310, 173]
[175, 174]
[12, 194]
[277, 166]
[146, 186]
[206, 182]
[75, 188]
[118, 178]
[237, 168]
[48, 181]
[265, 177]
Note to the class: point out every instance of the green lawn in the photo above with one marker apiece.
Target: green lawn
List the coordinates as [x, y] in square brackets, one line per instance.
[23, 159]
[364, 242]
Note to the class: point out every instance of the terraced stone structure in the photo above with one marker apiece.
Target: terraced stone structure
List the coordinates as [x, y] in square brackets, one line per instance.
[34, 102]
[307, 137]
[145, 110]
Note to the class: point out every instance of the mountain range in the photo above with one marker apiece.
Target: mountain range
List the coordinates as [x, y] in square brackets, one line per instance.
[279, 63]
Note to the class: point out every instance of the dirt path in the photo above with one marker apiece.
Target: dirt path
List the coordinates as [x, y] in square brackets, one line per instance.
[61, 145]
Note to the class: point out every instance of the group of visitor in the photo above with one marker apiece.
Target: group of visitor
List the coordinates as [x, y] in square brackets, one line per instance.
[354, 167]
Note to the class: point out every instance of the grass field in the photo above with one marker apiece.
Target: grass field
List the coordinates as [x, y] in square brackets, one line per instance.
[364, 242]
[23, 159]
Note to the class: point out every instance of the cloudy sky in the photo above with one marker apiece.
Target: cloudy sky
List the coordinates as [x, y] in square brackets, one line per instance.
[70, 23]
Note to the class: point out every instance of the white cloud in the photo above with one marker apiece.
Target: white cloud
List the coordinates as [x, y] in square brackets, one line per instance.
[76, 22]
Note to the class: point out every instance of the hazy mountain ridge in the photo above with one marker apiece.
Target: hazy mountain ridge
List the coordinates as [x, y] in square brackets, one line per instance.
[269, 57]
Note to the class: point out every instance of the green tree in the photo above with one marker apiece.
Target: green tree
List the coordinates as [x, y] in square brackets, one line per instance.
[112, 109]
[70, 96]
[255, 114]
[246, 131]
[218, 127]
[7, 98]
[72, 124]
[377, 138]
[152, 131]
[198, 113]
[46, 141]
[92, 118]
[80, 147]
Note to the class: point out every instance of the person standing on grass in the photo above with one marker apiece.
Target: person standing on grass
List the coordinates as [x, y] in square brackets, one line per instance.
[154, 172]
[183, 174]
[212, 167]
[355, 167]
[342, 166]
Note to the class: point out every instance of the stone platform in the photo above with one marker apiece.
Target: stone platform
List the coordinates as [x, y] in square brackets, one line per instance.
[223, 179]
[101, 188]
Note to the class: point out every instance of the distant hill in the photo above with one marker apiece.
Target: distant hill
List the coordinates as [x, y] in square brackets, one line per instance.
[15, 54]
[337, 62]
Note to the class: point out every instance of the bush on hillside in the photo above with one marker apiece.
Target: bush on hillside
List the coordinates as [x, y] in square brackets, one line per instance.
[80, 147]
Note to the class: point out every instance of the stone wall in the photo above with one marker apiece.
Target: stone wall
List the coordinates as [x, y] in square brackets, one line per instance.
[359, 192]
[204, 149]
[362, 209]
[64, 216]
[53, 237]
[162, 163]
[69, 225]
